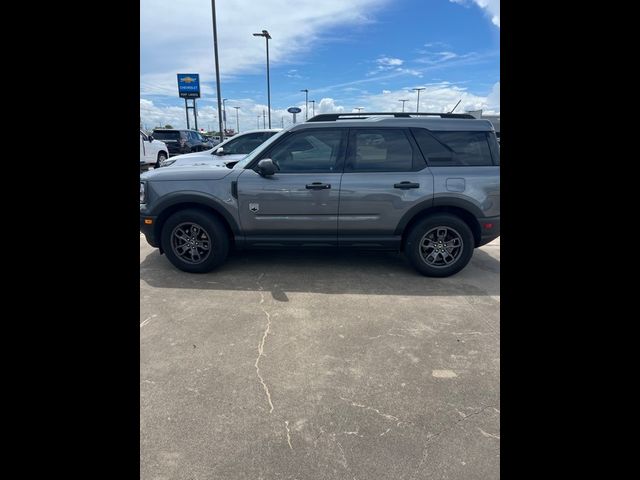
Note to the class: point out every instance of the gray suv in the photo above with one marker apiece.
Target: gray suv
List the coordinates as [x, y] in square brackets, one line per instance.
[425, 184]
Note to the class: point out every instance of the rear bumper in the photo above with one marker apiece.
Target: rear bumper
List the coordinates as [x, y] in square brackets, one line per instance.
[489, 229]
[149, 230]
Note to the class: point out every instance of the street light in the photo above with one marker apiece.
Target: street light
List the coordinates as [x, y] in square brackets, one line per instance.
[237, 120]
[359, 108]
[306, 102]
[418, 102]
[215, 54]
[266, 36]
[403, 103]
[224, 113]
[313, 107]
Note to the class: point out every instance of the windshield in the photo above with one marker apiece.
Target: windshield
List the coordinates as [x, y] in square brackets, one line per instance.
[246, 160]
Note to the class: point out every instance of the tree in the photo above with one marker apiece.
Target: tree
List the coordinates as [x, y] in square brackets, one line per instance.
[168, 126]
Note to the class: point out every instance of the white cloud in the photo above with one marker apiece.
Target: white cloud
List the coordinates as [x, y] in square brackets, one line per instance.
[177, 36]
[440, 97]
[492, 8]
[437, 97]
[250, 114]
[388, 61]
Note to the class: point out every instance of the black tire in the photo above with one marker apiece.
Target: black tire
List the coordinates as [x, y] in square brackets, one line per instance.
[177, 246]
[161, 157]
[432, 248]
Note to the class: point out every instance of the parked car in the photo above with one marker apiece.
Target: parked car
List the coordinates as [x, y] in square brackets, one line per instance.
[182, 141]
[429, 187]
[152, 151]
[231, 150]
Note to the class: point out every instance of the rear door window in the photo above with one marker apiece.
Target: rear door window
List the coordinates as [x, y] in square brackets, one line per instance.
[382, 150]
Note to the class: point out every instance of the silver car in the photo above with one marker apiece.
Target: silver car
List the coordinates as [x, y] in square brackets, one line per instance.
[231, 150]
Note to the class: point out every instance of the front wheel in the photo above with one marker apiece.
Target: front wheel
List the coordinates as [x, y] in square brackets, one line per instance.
[161, 158]
[195, 241]
[440, 245]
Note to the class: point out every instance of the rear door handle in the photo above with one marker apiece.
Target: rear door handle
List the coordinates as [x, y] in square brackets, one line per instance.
[406, 185]
[318, 186]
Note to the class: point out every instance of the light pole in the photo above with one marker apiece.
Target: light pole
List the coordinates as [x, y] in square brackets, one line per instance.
[258, 122]
[215, 54]
[224, 113]
[403, 103]
[418, 101]
[306, 102]
[263, 120]
[266, 36]
[313, 107]
[237, 120]
[359, 108]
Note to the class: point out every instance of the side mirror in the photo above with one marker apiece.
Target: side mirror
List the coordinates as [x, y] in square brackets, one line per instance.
[220, 151]
[150, 138]
[266, 167]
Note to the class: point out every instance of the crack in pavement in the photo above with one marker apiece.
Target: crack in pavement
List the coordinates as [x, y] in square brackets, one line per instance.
[359, 405]
[286, 424]
[424, 454]
[261, 344]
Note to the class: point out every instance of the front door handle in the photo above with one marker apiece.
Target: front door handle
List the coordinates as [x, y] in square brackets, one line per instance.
[406, 185]
[318, 186]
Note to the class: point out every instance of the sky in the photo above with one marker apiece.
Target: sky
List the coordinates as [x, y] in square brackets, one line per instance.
[347, 53]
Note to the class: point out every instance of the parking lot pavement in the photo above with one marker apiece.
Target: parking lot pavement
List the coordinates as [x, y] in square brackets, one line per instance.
[319, 365]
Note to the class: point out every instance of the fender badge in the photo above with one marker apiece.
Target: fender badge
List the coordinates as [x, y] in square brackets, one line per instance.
[254, 207]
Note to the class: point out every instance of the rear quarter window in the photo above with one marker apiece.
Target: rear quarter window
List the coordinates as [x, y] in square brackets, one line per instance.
[454, 149]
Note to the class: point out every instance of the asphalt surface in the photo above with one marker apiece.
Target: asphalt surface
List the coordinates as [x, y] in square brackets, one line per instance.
[319, 365]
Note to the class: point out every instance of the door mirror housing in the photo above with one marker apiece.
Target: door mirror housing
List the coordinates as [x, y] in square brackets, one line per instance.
[266, 167]
[220, 151]
[150, 138]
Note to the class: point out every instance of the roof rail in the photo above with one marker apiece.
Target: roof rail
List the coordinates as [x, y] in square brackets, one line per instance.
[332, 117]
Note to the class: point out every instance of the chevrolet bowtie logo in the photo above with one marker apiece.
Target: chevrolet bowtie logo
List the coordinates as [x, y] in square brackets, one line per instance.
[188, 79]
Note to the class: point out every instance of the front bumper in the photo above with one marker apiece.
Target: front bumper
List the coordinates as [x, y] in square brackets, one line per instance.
[489, 229]
[149, 229]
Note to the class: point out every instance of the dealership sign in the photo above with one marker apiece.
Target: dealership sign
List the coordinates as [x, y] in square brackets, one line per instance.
[294, 110]
[189, 85]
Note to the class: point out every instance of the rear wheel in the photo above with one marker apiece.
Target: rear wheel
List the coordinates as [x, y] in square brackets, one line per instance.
[440, 245]
[195, 241]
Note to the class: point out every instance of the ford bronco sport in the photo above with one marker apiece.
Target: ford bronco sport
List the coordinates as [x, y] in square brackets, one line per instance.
[426, 184]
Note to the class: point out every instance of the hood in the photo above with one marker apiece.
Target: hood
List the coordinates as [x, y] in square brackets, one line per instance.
[189, 172]
[204, 158]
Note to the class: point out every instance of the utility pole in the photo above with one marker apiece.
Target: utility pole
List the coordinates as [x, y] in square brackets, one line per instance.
[418, 101]
[267, 37]
[306, 102]
[224, 113]
[237, 120]
[215, 54]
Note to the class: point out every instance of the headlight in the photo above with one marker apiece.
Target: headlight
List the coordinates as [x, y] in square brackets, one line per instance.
[167, 162]
[142, 193]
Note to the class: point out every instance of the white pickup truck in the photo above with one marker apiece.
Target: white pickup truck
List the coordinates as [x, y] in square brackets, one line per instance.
[152, 152]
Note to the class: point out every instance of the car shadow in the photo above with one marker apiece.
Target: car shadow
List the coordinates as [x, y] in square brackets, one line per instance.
[335, 272]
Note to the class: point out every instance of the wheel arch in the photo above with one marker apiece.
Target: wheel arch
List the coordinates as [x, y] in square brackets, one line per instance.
[463, 210]
[194, 201]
